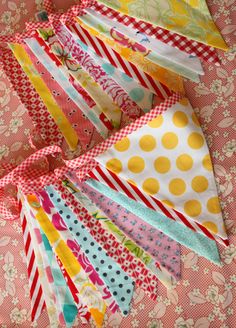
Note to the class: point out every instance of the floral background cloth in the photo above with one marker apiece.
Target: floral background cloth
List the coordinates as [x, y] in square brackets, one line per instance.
[205, 296]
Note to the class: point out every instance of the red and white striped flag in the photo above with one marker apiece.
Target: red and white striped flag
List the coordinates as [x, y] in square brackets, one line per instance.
[36, 292]
[116, 183]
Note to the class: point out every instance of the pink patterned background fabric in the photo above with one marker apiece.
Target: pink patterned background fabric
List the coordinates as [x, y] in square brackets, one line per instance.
[205, 296]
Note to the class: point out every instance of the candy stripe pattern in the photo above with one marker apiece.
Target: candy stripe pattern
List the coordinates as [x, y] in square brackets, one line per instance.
[201, 50]
[36, 293]
[109, 178]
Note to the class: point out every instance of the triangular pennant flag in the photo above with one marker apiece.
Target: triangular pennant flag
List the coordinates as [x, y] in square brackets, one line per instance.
[128, 188]
[170, 79]
[180, 42]
[57, 221]
[197, 242]
[106, 267]
[62, 292]
[42, 89]
[95, 304]
[135, 268]
[120, 62]
[100, 105]
[122, 236]
[162, 248]
[191, 19]
[36, 292]
[140, 95]
[169, 159]
[153, 50]
[47, 288]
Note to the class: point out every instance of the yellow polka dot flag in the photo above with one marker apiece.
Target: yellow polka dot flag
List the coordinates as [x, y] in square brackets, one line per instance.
[168, 158]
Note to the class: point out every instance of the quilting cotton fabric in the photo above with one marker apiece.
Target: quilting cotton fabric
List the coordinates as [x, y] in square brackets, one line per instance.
[93, 94]
[118, 282]
[203, 51]
[47, 289]
[162, 248]
[95, 304]
[105, 51]
[62, 79]
[141, 275]
[154, 50]
[140, 95]
[200, 244]
[191, 19]
[172, 80]
[65, 233]
[131, 226]
[214, 304]
[116, 183]
[169, 159]
[159, 271]
[49, 101]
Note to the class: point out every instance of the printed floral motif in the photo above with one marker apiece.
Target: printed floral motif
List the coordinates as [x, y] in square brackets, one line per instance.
[181, 323]
[64, 56]
[10, 271]
[18, 316]
[229, 254]
[14, 145]
[125, 41]
[212, 295]
[229, 148]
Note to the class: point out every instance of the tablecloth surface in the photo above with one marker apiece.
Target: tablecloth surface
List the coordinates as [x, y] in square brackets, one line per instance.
[206, 294]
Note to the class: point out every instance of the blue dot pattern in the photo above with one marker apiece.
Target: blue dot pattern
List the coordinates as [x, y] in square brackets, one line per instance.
[117, 281]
